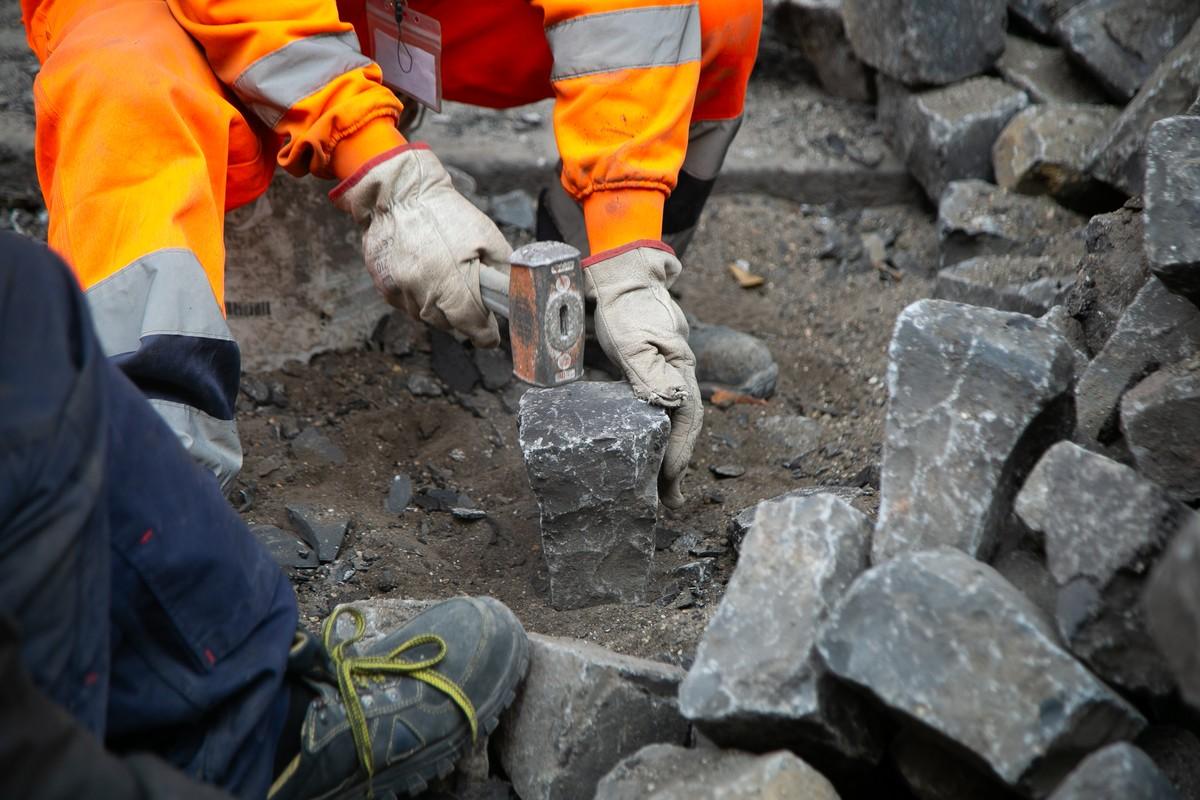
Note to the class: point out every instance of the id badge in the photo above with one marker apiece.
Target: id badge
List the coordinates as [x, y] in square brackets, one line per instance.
[408, 48]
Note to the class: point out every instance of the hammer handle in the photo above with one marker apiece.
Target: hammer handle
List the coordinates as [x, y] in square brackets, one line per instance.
[493, 286]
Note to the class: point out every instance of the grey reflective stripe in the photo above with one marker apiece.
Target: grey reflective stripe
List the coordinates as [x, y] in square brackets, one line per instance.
[164, 292]
[279, 80]
[708, 142]
[638, 37]
[212, 443]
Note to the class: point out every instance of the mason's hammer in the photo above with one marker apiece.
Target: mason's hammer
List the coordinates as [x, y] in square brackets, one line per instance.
[542, 299]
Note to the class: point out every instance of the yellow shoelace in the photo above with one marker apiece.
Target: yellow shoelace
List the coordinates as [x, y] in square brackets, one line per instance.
[350, 669]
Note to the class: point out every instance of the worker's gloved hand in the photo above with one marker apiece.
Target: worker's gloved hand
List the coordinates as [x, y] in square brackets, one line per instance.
[642, 329]
[423, 241]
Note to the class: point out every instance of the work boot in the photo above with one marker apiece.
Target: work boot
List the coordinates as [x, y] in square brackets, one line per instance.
[400, 713]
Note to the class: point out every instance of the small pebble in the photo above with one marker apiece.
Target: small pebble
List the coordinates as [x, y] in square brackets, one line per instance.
[727, 470]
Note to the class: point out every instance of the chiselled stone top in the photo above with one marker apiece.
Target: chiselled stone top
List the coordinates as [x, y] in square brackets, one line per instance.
[1098, 516]
[945, 641]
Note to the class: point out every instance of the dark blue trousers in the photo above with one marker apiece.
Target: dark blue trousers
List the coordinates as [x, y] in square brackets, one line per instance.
[146, 608]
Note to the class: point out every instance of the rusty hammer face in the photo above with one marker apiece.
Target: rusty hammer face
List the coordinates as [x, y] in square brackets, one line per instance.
[542, 298]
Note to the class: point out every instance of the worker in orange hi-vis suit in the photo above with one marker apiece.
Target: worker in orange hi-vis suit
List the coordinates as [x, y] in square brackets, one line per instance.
[155, 117]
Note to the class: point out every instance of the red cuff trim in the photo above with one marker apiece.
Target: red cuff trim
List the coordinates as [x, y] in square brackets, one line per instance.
[653, 244]
[350, 182]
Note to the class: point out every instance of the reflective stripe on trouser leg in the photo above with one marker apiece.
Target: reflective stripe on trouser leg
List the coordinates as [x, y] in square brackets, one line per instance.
[708, 142]
[158, 320]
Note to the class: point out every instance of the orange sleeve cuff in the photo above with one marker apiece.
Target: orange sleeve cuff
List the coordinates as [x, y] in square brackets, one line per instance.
[615, 217]
[377, 136]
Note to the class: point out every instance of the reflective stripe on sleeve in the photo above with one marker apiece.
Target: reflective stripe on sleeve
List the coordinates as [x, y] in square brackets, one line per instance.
[615, 40]
[279, 80]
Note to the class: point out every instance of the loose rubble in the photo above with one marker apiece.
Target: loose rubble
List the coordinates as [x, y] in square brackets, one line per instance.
[946, 134]
[800, 556]
[1172, 606]
[1119, 770]
[1172, 194]
[976, 218]
[1044, 73]
[944, 642]
[666, 772]
[1160, 420]
[580, 711]
[1103, 525]
[1025, 284]
[975, 396]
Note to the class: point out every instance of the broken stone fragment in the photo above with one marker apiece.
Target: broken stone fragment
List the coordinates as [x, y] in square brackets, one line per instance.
[495, 367]
[580, 711]
[1172, 195]
[324, 532]
[1121, 41]
[976, 218]
[1170, 90]
[757, 682]
[1025, 284]
[946, 134]
[1047, 149]
[1103, 525]
[1118, 771]
[1043, 73]
[592, 452]
[1159, 327]
[1110, 274]
[400, 494]
[927, 41]
[817, 27]
[945, 643]
[669, 772]
[975, 397]
[1172, 608]
[1160, 419]
[285, 548]
[789, 438]
[741, 522]
[452, 362]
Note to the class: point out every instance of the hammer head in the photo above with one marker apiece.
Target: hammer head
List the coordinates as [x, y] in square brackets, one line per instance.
[545, 313]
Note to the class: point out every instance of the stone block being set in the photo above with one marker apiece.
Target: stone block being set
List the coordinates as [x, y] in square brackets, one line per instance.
[666, 772]
[946, 134]
[1172, 607]
[1160, 419]
[1117, 771]
[1047, 149]
[592, 451]
[1044, 73]
[1102, 526]
[922, 42]
[976, 218]
[1172, 196]
[1110, 274]
[1158, 327]
[1025, 284]
[1120, 42]
[580, 711]
[817, 27]
[975, 397]
[757, 682]
[1041, 15]
[945, 643]
[1170, 90]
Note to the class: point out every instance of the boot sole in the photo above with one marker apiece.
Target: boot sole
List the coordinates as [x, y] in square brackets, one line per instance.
[437, 761]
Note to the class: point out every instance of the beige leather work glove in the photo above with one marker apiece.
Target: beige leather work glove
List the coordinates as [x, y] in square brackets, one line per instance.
[642, 329]
[423, 241]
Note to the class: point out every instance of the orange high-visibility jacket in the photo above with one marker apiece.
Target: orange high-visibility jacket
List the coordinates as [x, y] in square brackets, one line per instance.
[624, 72]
